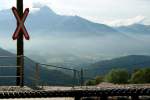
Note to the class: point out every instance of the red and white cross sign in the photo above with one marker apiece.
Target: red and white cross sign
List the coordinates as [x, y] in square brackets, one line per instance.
[20, 24]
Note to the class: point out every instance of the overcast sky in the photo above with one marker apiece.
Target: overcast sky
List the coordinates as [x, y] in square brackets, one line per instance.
[111, 12]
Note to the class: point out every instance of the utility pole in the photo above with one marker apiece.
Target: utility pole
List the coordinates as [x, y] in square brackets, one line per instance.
[20, 49]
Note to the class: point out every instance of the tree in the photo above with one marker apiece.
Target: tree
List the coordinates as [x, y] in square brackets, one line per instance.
[117, 76]
[95, 81]
[141, 76]
[90, 82]
[99, 79]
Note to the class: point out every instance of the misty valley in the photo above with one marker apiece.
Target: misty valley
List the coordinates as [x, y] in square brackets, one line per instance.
[75, 42]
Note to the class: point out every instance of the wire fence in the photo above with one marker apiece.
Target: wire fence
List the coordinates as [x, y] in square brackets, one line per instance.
[8, 70]
[38, 73]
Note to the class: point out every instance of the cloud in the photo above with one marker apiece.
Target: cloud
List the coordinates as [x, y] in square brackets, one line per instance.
[95, 10]
[126, 22]
[37, 5]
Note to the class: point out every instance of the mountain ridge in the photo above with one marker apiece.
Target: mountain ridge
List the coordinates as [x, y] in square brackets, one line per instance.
[45, 16]
[47, 21]
[59, 35]
[135, 29]
[130, 62]
[47, 76]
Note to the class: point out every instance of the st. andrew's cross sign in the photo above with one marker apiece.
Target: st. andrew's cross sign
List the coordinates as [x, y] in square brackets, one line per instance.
[20, 26]
[19, 35]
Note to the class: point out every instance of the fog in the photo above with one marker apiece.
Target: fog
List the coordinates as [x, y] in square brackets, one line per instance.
[54, 49]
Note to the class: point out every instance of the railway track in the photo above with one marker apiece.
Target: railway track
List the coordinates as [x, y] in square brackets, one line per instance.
[92, 92]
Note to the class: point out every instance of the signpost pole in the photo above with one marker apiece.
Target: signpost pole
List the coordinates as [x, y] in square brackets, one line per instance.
[20, 49]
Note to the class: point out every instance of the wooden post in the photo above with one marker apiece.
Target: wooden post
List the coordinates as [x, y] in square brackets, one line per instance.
[20, 49]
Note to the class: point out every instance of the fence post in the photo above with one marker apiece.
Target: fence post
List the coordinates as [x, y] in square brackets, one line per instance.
[37, 74]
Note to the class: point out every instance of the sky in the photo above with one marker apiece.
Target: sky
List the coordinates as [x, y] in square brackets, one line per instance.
[110, 12]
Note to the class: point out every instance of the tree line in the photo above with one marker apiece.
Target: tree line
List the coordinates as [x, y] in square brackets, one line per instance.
[122, 76]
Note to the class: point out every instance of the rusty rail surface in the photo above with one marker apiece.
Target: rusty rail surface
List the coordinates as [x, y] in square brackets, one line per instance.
[134, 92]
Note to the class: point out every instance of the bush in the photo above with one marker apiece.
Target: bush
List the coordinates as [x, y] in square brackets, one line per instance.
[117, 76]
[90, 82]
[95, 81]
[99, 79]
[141, 76]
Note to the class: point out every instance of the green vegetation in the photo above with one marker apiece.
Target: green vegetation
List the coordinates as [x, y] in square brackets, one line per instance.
[141, 76]
[95, 81]
[90, 82]
[122, 76]
[117, 76]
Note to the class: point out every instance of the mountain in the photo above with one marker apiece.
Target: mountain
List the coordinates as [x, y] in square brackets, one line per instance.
[5, 53]
[57, 36]
[135, 29]
[130, 63]
[53, 22]
[71, 41]
[47, 76]
[45, 21]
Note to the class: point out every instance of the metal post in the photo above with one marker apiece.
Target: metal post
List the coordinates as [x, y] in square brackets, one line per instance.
[20, 48]
[74, 77]
[82, 80]
[37, 74]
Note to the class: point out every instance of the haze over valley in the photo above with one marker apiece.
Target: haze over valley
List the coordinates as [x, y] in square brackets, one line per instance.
[72, 40]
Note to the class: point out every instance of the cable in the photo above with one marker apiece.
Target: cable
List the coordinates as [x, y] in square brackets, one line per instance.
[58, 67]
